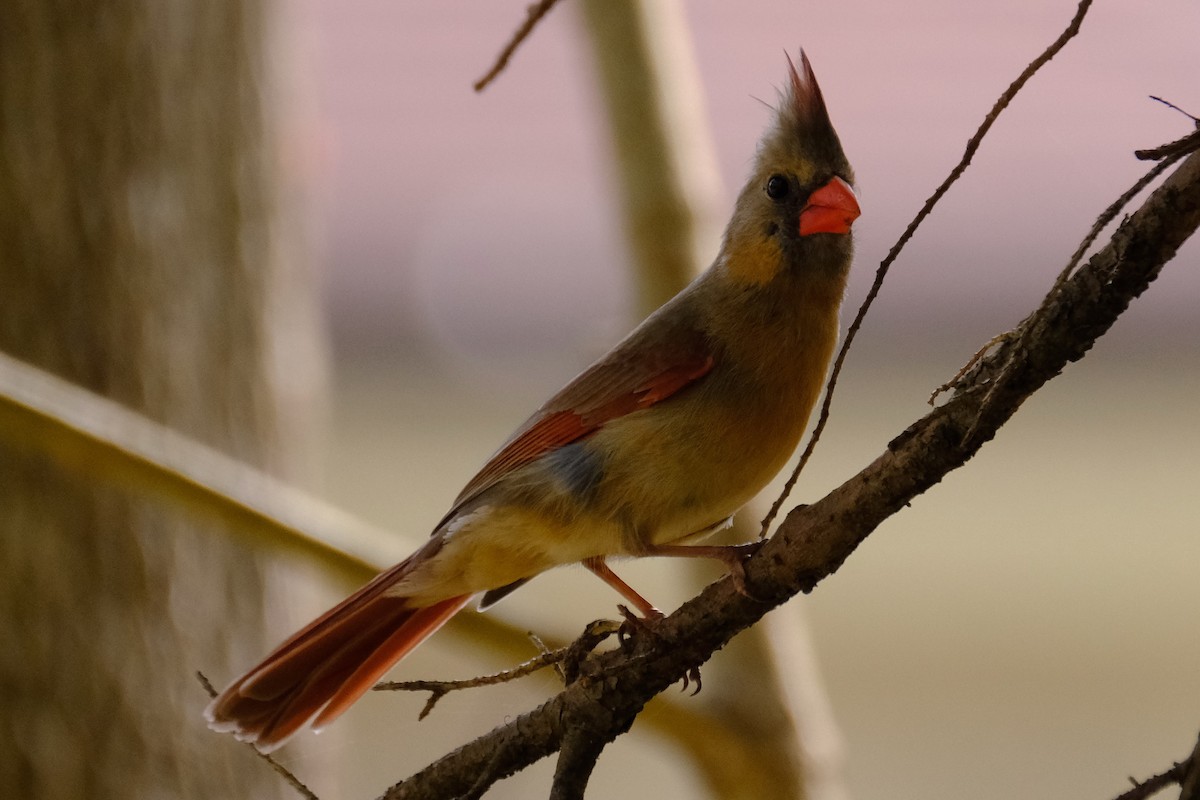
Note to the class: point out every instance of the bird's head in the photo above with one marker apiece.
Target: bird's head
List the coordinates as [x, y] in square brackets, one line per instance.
[796, 210]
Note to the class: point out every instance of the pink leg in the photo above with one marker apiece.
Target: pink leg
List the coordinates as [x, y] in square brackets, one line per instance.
[601, 570]
[733, 556]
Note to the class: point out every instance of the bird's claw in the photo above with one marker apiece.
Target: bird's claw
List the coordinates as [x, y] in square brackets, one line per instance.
[690, 677]
[736, 563]
[634, 626]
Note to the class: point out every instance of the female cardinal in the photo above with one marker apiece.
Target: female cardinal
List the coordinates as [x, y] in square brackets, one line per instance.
[656, 444]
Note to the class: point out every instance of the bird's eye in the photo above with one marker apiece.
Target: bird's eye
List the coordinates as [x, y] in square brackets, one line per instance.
[777, 187]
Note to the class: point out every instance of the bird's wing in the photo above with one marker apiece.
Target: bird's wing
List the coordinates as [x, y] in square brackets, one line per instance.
[630, 378]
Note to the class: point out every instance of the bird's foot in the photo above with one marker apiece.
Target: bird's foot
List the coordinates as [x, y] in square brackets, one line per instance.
[635, 626]
[690, 677]
[734, 557]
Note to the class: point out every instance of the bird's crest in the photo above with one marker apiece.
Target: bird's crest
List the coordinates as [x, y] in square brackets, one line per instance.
[803, 121]
[804, 98]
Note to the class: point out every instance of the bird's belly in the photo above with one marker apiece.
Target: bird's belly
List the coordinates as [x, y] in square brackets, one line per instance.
[668, 482]
[499, 542]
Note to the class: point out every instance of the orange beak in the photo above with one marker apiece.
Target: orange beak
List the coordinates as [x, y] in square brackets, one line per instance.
[830, 209]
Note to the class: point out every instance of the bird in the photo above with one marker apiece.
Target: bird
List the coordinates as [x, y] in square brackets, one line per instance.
[654, 446]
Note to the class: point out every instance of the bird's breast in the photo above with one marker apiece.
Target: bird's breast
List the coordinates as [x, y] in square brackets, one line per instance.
[685, 464]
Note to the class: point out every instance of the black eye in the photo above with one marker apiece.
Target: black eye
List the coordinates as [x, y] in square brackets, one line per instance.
[777, 187]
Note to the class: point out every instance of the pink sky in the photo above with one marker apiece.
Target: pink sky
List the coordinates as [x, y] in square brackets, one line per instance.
[487, 221]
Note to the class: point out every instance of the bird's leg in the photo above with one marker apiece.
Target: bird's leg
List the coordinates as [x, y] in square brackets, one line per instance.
[602, 571]
[733, 556]
[649, 613]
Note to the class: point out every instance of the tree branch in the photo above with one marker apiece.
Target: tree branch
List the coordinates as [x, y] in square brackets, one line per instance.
[101, 438]
[1186, 773]
[577, 758]
[533, 16]
[815, 540]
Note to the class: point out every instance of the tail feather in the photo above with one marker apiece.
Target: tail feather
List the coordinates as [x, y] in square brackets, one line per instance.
[412, 632]
[319, 672]
[305, 649]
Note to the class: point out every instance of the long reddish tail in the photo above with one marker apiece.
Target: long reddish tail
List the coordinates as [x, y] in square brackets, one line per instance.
[319, 672]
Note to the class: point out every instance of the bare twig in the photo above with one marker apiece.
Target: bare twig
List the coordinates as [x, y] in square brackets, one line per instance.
[1106, 217]
[1169, 155]
[1006, 367]
[1153, 785]
[1190, 783]
[1111, 212]
[1181, 146]
[593, 634]
[1186, 773]
[535, 14]
[1174, 107]
[283, 771]
[965, 368]
[969, 153]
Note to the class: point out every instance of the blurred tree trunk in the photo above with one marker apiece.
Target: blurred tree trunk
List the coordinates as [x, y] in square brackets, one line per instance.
[139, 258]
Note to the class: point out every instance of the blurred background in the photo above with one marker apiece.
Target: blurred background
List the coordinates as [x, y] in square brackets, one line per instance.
[1026, 628]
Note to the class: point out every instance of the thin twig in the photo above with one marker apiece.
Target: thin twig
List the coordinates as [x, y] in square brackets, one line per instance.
[1190, 782]
[1108, 215]
[1174, 107]
[1153, 785]
[1170, 155]
[1101, 222]
[439, 689]
[566, 658]
[1181, 146]
[965, 368]
[1179, 773]
[283, 771]
[535, 14]
[969, 153]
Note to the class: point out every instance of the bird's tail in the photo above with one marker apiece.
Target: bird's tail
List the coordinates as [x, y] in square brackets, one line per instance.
[319, 672]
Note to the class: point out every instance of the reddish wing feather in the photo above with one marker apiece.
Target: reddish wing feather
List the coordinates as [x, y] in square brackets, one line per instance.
[628, 380]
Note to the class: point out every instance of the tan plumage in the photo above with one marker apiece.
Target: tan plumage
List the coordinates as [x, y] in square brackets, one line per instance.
[657, 443]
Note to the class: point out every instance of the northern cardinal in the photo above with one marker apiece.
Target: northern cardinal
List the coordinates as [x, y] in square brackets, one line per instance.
[655, 445]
